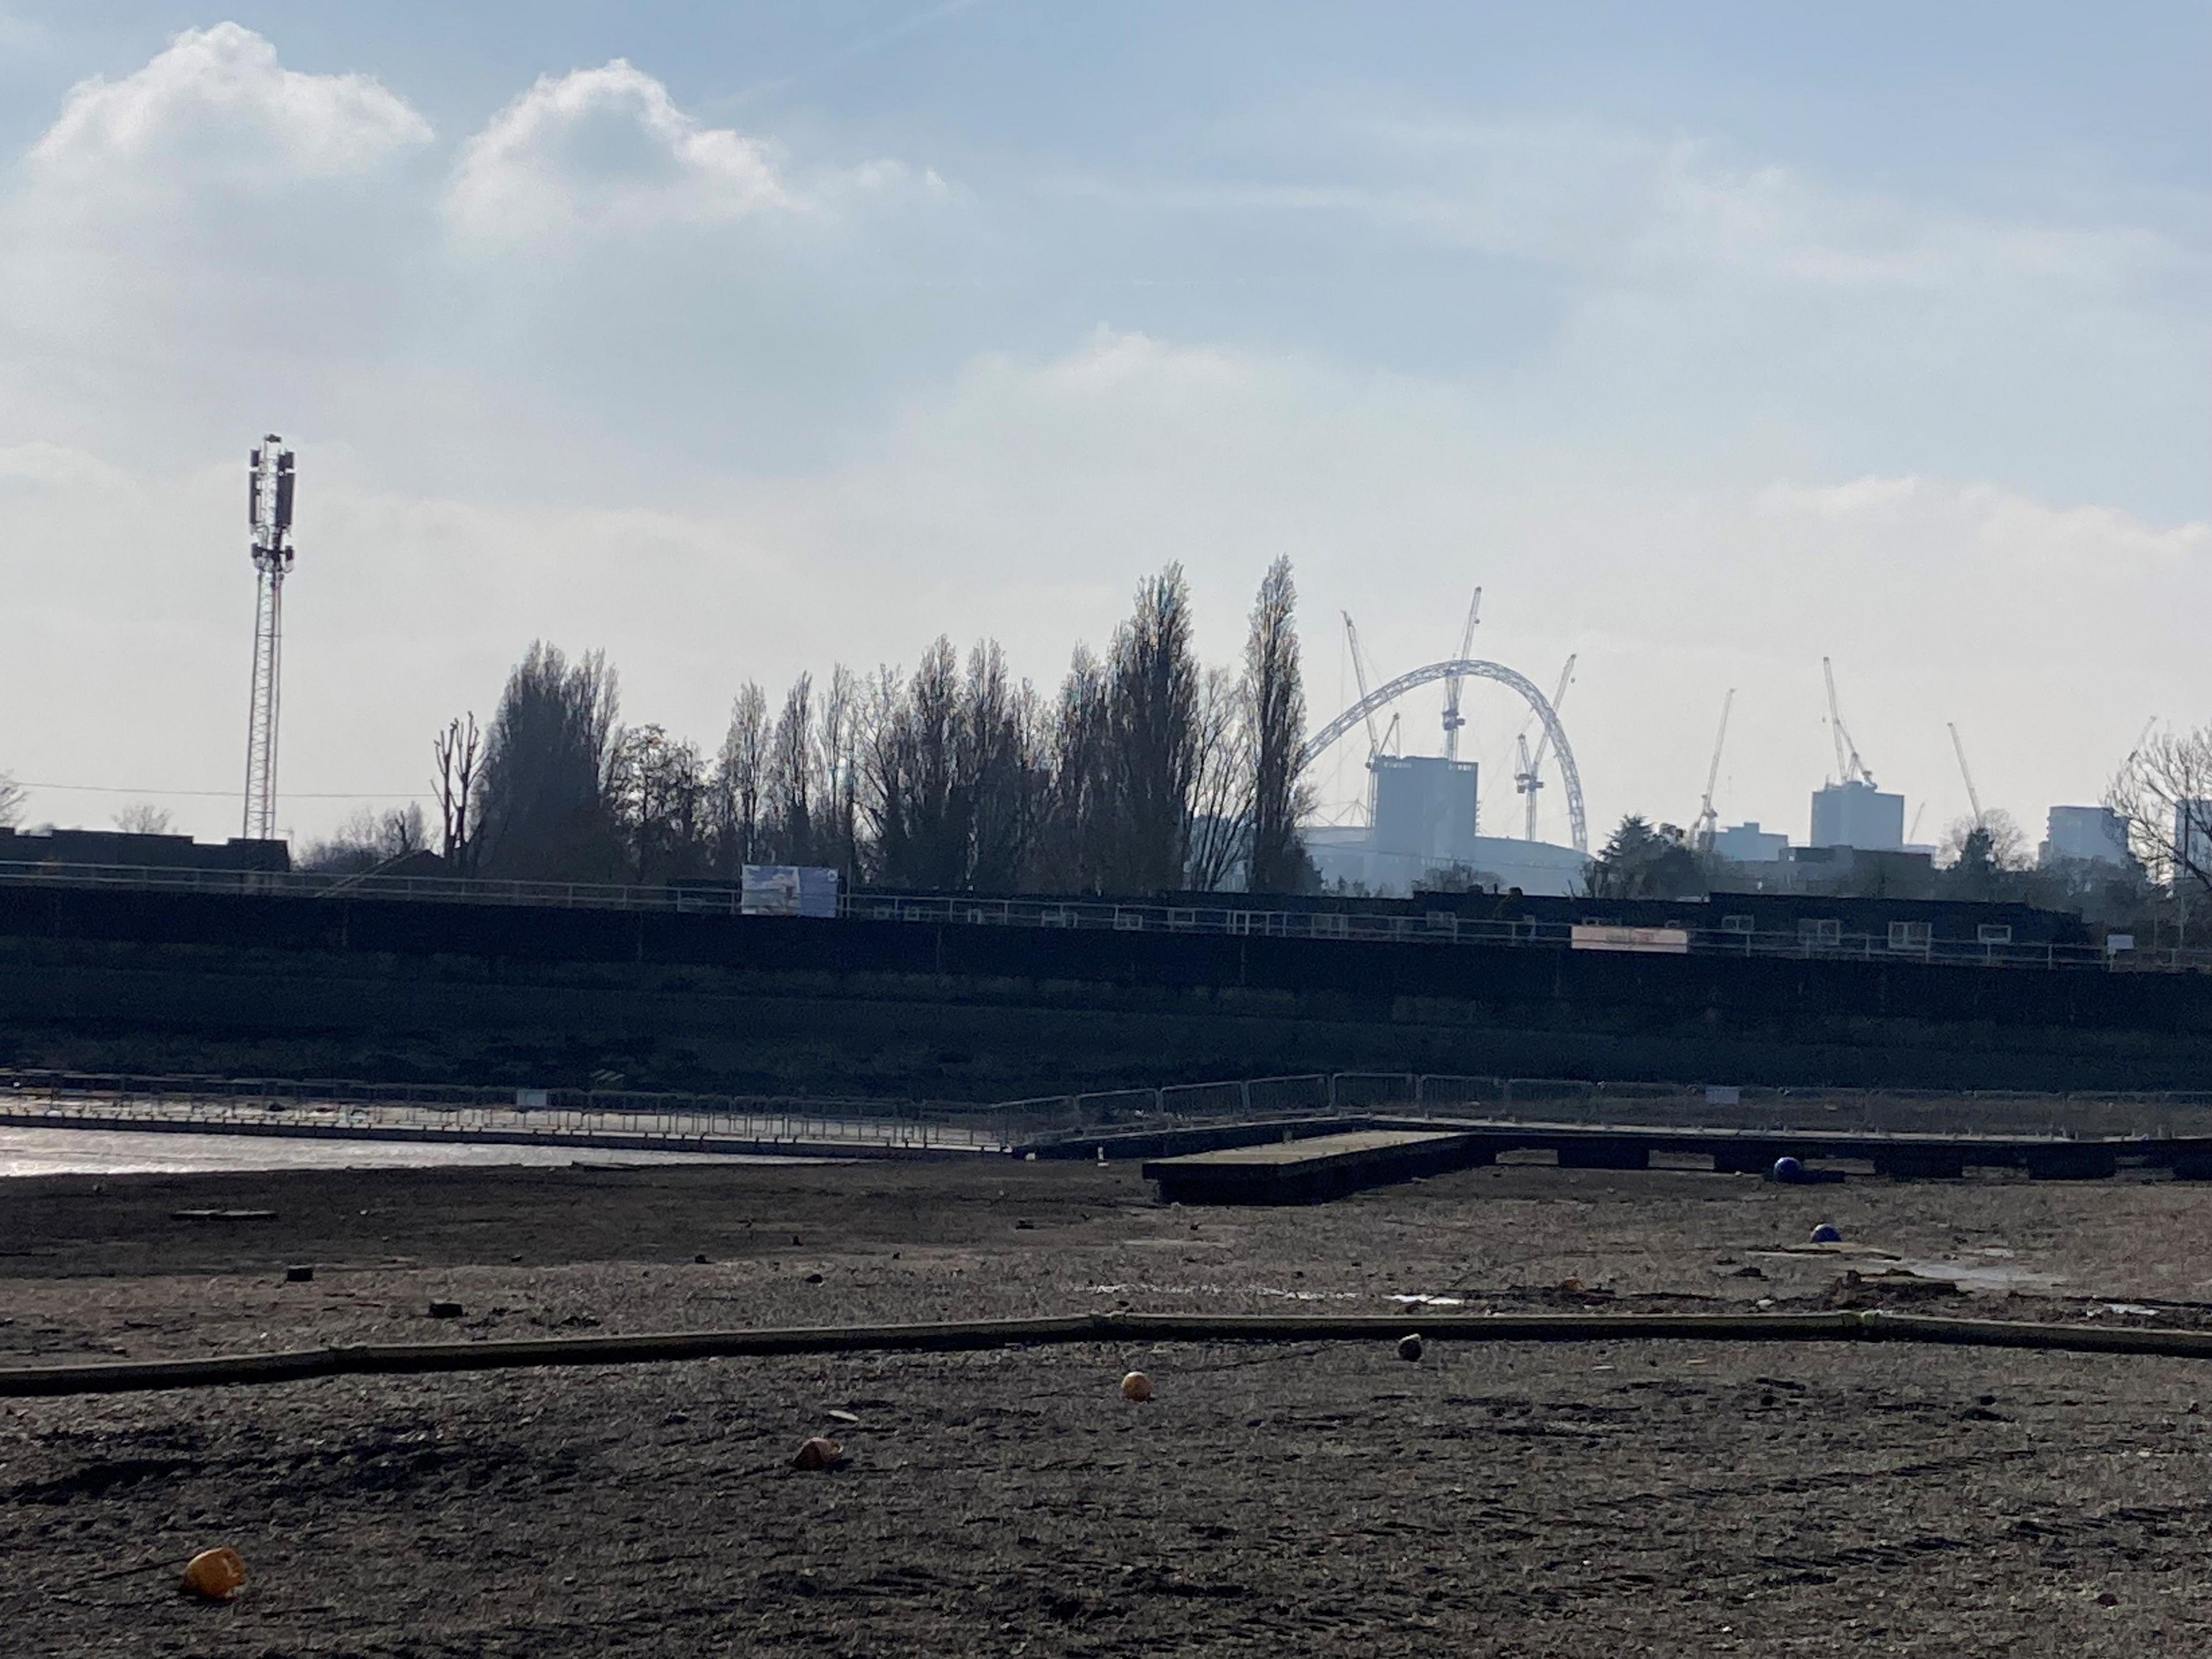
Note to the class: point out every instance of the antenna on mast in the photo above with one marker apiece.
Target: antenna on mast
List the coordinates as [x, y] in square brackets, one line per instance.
[269, 519]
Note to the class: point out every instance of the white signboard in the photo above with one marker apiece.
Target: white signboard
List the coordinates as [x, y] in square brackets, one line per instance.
[1645, 941]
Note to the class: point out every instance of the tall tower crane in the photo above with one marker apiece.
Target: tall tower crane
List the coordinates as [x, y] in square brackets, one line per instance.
[1708, 821]
[1359, 674]
[1850, 769]
[1973, 795]
[1526, 781]
[1453, 719]
[268, 517]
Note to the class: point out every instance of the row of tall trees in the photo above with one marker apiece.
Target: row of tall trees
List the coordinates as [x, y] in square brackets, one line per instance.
[1146, 772]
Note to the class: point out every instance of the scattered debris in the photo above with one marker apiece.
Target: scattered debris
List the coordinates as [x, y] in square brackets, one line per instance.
[1409, 1346]
[225, 1215]
[1137, 1386]
[1857, 1290]
[837, 1416]
[819, 1452]
[215, 1575]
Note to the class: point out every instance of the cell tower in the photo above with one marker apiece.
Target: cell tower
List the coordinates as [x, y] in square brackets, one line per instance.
[268, 515]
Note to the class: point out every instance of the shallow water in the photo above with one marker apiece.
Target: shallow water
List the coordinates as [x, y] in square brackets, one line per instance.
[123, 1152]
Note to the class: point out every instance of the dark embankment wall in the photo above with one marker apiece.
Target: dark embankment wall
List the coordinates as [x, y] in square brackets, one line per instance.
[391, 990]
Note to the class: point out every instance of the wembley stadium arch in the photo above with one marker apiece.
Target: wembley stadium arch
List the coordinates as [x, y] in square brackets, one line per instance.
[1383, 695]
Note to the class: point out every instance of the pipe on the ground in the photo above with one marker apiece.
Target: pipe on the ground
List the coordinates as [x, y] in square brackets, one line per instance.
[416, 1359]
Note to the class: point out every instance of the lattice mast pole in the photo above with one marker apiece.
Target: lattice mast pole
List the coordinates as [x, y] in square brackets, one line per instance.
[269, 517]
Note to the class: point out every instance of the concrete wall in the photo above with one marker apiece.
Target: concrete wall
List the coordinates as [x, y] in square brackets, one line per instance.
[179, 981]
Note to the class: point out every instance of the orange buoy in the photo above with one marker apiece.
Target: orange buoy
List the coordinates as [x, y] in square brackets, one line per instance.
[215, 1575]
[1136, 1386]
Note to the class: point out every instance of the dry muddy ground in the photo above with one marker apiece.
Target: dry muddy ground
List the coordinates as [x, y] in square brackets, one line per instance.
[1614, 1497]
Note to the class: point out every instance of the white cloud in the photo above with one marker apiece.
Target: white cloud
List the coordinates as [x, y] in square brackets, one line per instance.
[218, 104]
[606, 150]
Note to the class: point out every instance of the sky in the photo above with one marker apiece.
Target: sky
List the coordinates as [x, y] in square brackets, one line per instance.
[739, 340]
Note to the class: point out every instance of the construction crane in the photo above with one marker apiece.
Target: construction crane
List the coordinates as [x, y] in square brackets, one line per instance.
[1359, 674]
[1973, 795]
[1850, 769]
[1708, 821]
[1453, 719]
[1526, 782]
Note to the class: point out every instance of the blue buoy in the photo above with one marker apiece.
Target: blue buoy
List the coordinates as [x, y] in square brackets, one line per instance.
[1825, 1233]
[1788, 1169]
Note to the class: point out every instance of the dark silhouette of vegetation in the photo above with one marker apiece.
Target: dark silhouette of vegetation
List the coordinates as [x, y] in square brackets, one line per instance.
[1146, 773]
[1274, 714]
[2163, 793]
[1641, 861]
[550, 803]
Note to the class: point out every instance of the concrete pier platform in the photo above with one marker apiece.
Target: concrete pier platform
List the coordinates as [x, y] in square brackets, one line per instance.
[1307, 1171]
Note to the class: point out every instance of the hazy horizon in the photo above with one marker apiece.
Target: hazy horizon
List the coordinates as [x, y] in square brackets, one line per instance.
[737, 345]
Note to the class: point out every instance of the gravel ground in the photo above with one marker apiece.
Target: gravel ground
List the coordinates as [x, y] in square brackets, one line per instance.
[1323, 1498]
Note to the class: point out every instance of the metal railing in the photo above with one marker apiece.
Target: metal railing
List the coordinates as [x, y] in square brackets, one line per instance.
[685, 1120]
[464, 1112]
[1230, 915]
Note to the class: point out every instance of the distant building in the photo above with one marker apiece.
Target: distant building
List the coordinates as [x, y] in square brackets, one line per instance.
[1856, 814]
[1346, 854]
[1422, 806]
[1746, 843]
[115, 849]
[2092, 835]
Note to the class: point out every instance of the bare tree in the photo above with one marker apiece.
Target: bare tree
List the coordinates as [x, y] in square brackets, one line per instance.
[995, 771]
[1153, 732]
[921, 811]
[455, 750]
[740, 779]
[145, 818]
[791, 775]
[658, 792]
[2163, 792]
[367, 840]
[1075, 832]
[837, 755]
[543, 808]
[11, 801]
[1214, 828]
[1275, 721]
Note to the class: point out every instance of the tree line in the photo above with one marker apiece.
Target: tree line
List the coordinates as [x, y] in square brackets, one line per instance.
[1144, 772]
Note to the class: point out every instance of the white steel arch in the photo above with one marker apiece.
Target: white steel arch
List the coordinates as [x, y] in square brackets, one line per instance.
[1468, 668]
